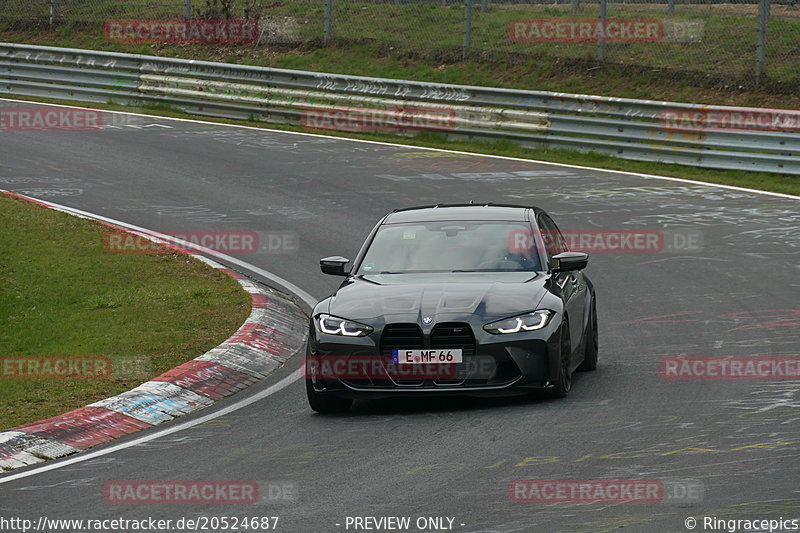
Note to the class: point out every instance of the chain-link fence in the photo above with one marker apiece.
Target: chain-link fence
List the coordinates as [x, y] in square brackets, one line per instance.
[738, 42]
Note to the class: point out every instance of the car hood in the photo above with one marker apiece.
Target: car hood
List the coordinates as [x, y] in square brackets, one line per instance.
[409, 297]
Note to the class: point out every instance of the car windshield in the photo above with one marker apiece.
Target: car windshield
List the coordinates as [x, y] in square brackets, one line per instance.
[451, 246]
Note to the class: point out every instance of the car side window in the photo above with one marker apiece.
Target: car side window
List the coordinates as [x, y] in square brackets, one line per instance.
[554, 242]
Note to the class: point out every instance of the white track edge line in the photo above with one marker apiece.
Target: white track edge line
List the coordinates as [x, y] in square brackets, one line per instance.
[288, 380]
[475, 154]
[179, 426]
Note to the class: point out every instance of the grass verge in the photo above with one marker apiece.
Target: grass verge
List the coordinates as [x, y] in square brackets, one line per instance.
[64, 296]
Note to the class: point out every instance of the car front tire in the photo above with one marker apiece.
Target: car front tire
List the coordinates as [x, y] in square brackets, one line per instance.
[563, 381]
[326, 403]
[590, 355]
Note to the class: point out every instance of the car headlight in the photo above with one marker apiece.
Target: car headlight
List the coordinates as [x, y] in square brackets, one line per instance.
[515, 324]
[333, 325]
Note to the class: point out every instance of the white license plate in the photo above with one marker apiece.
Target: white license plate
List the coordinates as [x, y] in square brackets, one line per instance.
[426, 356]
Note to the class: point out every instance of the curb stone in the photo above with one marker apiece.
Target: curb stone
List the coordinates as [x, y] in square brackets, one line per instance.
[274, 330]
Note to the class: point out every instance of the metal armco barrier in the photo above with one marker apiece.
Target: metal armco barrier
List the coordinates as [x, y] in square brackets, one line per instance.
[687, 134]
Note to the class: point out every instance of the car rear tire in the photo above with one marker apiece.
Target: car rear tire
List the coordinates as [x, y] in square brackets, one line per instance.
[326, 403]
[590, 356]
[563, 381]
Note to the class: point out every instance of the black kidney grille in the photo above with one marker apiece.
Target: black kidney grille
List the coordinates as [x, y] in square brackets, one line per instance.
[454, 335]
[397, 336]
[401, 337]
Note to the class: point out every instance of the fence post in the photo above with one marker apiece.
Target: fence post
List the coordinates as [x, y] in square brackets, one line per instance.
[576, 4]
[763, 15]
[671, 7]
[53, 11]
[484, 5]
[467, 27]
[601, 42]
[328, 17]
[187, 9]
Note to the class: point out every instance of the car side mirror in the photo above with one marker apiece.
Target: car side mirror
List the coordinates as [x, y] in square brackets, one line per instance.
[334, 265]
[568, 261]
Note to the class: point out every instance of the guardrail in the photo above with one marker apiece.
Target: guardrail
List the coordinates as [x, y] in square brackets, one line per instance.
[686, 134]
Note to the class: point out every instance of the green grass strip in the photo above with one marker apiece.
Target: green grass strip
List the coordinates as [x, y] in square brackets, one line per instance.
[64, 295]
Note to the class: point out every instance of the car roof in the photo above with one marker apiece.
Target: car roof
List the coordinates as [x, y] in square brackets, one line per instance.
[461, 212]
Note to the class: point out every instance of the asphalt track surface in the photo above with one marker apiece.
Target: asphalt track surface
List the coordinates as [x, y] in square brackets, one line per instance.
[737, 294]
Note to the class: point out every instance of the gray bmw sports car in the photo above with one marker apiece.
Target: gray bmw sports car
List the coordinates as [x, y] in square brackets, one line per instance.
[453, 299]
